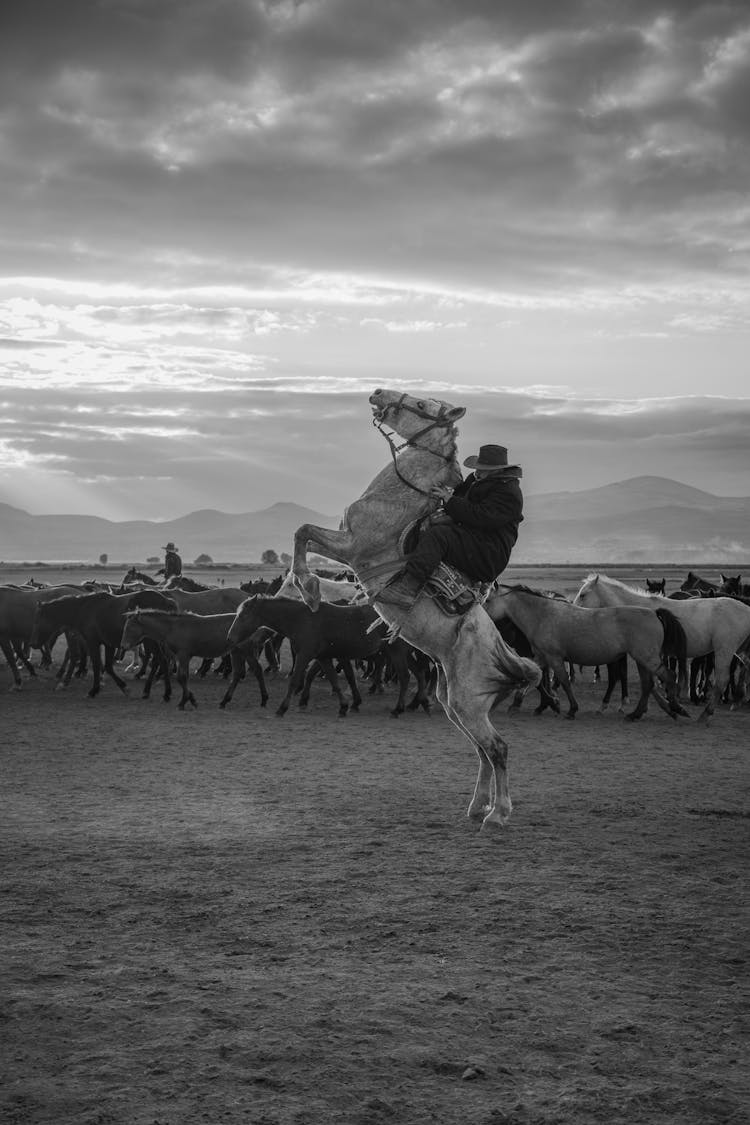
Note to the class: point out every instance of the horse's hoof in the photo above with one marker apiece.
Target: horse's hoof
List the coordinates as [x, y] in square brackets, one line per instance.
[478, 813]
[494, 822]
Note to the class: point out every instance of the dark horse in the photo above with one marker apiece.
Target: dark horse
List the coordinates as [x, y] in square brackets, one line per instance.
[334, 632]
[134, 575]
[99, 618]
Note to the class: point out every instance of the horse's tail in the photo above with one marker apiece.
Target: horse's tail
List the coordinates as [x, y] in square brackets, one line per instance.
[744, 648]
[513, 670]
[674, 643]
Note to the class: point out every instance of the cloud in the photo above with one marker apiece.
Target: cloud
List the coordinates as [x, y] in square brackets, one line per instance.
[325, 133]
[159, 453]
[223, 223]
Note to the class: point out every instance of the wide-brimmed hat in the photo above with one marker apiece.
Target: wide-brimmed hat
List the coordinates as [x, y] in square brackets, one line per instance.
[490, 457]
[169, 547]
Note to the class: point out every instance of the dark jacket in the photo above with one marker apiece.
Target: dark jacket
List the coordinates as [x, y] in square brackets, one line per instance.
[489, 511]
[172, 565]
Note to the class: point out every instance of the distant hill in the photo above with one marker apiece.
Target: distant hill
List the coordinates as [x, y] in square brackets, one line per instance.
[239, 538]
[645, 519]
[638, 520]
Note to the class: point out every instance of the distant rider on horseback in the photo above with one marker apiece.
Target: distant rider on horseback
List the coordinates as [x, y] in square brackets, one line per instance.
[172, 562]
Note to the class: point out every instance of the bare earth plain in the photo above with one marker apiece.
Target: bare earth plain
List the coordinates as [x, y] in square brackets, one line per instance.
[223, 916]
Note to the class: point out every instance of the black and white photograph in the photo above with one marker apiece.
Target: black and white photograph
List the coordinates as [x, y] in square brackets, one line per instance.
[375, 562]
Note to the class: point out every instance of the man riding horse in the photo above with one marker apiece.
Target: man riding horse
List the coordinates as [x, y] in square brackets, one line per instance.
[474, 531]
[172, 562]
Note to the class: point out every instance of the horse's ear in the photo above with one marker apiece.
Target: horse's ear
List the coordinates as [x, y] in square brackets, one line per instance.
[456, 412]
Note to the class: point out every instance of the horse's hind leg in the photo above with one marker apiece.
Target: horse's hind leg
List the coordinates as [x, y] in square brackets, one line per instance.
[348, 671]
[332, 677]
[96, 668]
[722, 662]
[238, 672]
[109, 655]
[647, 683]
[183, 675]
[296, 679]
[254, 665]
[490, 803]
[547, 697]
[7, 650]
[22, 653]
[558, 667]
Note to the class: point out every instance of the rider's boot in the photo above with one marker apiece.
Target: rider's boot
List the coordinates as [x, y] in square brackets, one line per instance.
[403, 590]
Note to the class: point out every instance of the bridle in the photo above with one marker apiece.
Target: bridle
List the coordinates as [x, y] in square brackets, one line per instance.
[442, 419]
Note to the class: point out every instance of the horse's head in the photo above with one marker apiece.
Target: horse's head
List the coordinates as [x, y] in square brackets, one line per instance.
[410, 416]
[731, 585]
[588, 595]
[244, 620]
[694, 584]
[132, 631]
[654, 586]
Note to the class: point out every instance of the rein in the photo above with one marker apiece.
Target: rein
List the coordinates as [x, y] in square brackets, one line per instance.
[434, 423]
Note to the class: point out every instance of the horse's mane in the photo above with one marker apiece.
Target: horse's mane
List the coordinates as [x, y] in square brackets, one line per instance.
[153, 610]
[590, 579]
[519, 588]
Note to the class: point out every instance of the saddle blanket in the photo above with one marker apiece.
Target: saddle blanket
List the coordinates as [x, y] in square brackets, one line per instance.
[453, 592]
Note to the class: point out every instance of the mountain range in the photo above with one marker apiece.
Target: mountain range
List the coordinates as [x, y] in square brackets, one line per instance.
[644, 519]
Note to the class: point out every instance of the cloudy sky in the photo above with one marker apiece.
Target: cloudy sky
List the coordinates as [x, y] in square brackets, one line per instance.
[223, 222]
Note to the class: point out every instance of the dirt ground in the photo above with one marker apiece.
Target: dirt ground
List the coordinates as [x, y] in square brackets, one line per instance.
[231, 917]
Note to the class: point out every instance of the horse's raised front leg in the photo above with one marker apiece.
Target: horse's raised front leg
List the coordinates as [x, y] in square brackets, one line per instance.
[333, 544]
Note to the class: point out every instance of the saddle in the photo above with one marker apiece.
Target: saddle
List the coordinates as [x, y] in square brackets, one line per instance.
[453, 592]
[450, 589]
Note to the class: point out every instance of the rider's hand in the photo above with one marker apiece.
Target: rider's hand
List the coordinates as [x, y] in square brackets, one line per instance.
[441, 491]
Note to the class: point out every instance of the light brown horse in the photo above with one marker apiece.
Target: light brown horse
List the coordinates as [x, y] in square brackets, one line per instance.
[717, 625]
[476, 669]
[560, 632]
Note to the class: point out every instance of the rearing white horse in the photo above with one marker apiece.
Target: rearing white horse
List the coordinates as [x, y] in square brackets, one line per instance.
[476, 669]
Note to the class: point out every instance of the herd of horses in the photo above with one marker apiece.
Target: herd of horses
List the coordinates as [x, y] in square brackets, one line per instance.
[168, 625]
[509, 641]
